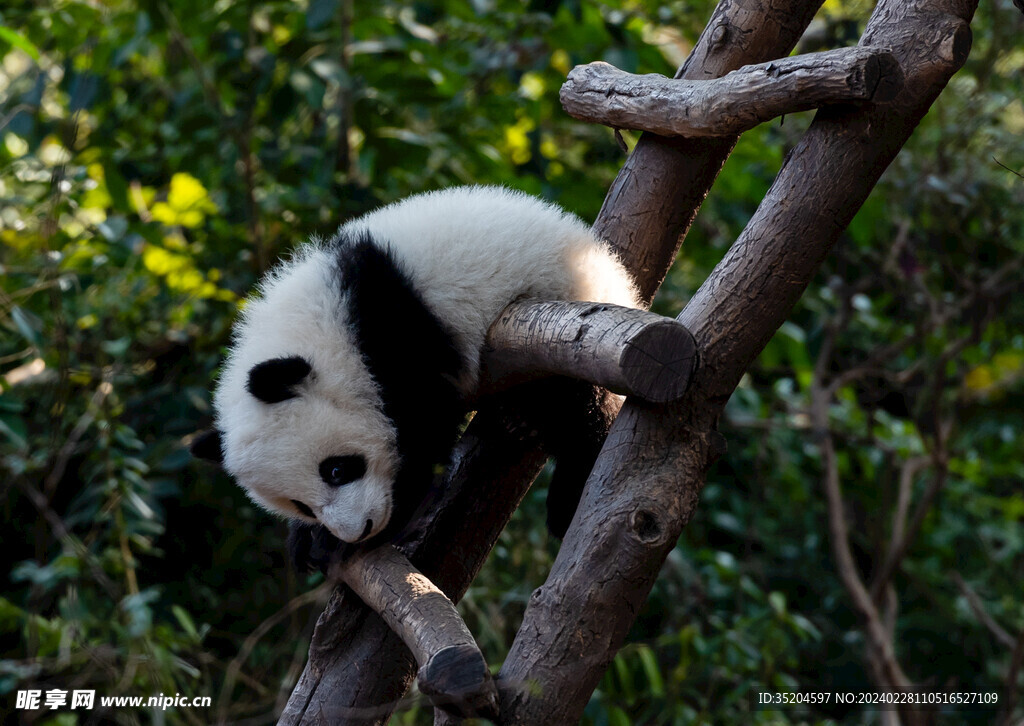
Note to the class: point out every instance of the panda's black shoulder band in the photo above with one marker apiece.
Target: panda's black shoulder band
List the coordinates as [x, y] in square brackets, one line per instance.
[407, 348]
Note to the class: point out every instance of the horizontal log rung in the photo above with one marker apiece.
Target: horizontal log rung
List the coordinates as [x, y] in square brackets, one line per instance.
[738, 101]
[628, 351]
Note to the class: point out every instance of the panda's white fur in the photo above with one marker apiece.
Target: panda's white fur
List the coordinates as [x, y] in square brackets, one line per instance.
[468, 252]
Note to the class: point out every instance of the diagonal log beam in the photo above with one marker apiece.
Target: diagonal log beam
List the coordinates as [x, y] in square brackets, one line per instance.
[358, 668]
[645, 485]
[738, 101]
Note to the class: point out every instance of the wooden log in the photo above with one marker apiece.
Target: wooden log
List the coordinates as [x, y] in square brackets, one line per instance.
[632, 352]
[738, 101]
[452, 671]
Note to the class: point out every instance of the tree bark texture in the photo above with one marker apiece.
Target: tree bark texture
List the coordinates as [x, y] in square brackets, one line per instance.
[645, 484]
[738, 101]
[659, 189]
[358, 669]
[632, 352]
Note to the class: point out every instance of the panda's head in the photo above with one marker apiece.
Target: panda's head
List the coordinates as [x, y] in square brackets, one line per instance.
[299, 418]
[338, 394]
[305, 451]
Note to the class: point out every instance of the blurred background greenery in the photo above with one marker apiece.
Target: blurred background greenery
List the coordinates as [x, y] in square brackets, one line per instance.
[156, 156]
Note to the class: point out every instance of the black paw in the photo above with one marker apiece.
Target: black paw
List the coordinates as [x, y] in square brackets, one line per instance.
[311, 547]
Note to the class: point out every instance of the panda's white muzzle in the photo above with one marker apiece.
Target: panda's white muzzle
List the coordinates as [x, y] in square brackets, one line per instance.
[357, 511]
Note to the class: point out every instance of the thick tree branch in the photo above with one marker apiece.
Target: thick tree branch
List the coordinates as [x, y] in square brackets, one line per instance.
[453, 673]
[632, 352]
[738, 101]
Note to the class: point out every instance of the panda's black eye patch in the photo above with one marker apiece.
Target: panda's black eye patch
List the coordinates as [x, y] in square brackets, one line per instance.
[339, 470]
[303, 509]
[274, 380]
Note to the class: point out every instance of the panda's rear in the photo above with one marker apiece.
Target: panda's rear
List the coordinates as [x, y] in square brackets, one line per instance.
[472, 250]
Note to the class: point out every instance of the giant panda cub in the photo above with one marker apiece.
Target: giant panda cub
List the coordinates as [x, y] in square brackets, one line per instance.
[354, 363]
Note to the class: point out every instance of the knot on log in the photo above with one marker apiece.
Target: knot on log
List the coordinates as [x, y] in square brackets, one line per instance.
[646, 526]
[719, 36]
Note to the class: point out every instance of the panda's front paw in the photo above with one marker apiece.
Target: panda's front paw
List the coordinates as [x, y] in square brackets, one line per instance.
[311, 547]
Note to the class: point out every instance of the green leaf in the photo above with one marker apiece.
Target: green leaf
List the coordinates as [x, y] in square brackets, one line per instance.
[19, 41]
[28, 324]
[618, 717]
[651, 670]
[185, 620]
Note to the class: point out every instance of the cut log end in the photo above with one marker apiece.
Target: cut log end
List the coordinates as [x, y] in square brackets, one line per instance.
[884, 76]
[658, 362]
[456, 679]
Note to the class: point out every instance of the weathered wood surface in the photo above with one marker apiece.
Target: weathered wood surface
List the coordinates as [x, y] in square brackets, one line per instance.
[646, 483]
[738, 101]
[453, 672]
[632, 352]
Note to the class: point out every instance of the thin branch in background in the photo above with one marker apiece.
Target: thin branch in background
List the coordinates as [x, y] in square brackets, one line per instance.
[1012, 675]
[1012, 171]
[1004, 638]
[880, 651]
[343, 161]
[982, 614]
[908, 471]
[318, 595]
[898, 547]
[67, 450]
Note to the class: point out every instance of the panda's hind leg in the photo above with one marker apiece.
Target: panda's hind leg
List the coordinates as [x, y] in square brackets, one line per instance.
[572, 418]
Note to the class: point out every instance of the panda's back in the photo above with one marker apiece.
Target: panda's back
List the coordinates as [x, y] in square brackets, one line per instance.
[469, 251]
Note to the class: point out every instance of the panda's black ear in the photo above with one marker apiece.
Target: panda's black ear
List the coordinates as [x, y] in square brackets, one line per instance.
[207, 445]
[273, 381]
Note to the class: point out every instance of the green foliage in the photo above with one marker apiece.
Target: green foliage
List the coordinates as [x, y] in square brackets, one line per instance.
[155, 157]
